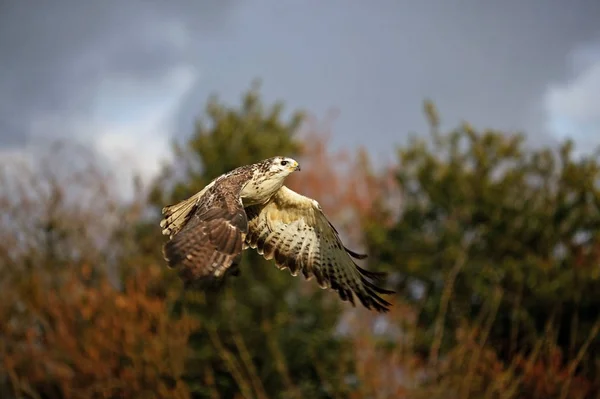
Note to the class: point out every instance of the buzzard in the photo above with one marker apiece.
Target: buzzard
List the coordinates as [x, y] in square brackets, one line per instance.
[249, 207]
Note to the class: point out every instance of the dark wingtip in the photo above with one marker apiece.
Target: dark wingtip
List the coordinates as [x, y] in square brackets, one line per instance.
[377, 276]
[355, 255]
[372, 299]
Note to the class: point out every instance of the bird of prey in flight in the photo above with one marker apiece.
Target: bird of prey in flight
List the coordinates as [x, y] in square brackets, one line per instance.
[249, 207]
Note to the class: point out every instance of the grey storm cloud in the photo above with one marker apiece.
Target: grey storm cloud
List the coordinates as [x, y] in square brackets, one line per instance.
[487, 62]
[54, 53]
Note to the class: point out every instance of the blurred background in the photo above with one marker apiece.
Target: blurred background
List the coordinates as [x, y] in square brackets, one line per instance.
[455, 142]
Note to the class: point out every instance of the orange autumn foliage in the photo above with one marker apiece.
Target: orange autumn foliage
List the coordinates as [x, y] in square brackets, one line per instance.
[86, 338]
[345, 185]
[549, 376]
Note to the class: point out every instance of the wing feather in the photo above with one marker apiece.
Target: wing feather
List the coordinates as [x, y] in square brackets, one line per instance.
[176, 216]
[211, 238]
[292, 230]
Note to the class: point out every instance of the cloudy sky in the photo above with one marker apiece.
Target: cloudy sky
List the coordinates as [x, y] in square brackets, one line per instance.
[127, 76]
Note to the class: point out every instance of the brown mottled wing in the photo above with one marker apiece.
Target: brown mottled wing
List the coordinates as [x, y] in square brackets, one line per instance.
[177, 215]
[212, 237]
[292, 230]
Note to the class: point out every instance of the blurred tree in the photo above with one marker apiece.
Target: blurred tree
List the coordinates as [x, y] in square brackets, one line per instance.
[88, 339]
[343, 182]
[69, 327]
[55, 215]
[224, 138]
[496, 254]
[484, 216]
[260, 335]
[65, 330]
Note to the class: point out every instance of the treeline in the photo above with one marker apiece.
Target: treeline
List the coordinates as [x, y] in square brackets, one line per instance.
[492, 246]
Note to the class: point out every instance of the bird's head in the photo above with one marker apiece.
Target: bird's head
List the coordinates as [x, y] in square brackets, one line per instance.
[283, 166]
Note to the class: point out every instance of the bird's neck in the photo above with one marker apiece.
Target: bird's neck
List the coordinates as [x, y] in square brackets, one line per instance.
[260, 191]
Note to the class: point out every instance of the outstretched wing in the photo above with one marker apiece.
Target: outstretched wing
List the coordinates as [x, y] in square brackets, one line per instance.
[175, 216]
[210, 236]
[292, 230]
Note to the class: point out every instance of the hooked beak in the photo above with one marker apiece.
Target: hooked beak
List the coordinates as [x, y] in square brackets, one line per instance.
[297, 169]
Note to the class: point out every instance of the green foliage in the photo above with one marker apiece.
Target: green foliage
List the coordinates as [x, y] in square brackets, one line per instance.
[227, 137]
[483, 214]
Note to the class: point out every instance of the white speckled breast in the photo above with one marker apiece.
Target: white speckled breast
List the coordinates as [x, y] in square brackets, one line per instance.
[260, 189]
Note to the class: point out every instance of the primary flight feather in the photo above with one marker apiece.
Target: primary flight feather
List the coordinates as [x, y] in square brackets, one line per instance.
[249, 207]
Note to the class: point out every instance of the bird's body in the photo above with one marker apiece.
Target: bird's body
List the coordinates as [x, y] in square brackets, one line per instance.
[251, 207]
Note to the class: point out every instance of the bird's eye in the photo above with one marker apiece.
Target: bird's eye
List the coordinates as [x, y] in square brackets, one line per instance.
[283, 163]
